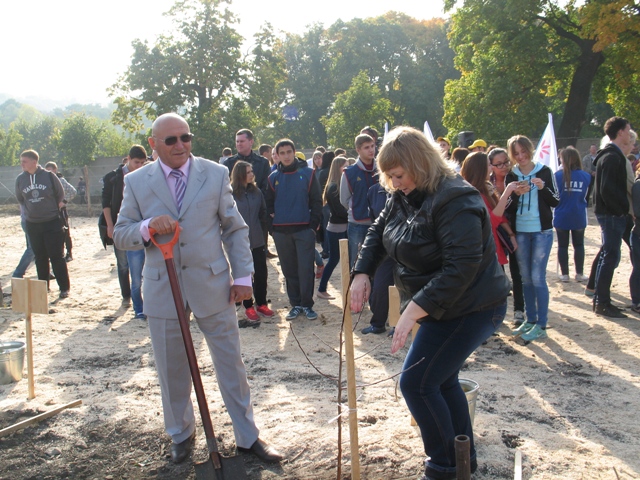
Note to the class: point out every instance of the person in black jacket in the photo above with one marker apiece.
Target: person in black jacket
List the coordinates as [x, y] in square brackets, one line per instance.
[112, 193]
[530, 205]
[436, 228]
[337, 222]
[611, 209]
[252, 207]
[261, 167]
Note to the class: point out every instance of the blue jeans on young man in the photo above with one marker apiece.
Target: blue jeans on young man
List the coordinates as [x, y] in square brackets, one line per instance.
[135, 259]
[432, 390]
[334, 258]
[612, 227]
[533, 255]
[27, 257]
[634, 279]
[356, 233]
[123, 272]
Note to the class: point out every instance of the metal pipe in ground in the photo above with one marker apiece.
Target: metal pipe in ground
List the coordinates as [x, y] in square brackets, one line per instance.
[463, 462]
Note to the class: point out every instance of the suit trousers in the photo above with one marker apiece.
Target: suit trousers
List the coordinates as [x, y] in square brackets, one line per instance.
[221, 333]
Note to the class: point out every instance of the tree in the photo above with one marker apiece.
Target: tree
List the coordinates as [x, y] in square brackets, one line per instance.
[80, 138]
[41, 135]
[9, 146]
[362, 104]
[515, 57]
[193, 71]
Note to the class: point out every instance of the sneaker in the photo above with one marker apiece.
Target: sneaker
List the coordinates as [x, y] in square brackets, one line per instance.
[126, 301]
[524, 328]
[311, 315]
[251, 314]
[68, 258]
[319, 270]
[140, 316]
[589, 292]
[264, 310]
[325, 295]
[564, 278]
[372, 329]
[64, 293]
[518, 317]
[608, 310]
[535, 333]
[581, 277]
[293, 313]
[636, 307]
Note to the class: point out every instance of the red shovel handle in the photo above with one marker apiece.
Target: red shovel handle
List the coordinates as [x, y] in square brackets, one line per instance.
[165, 248]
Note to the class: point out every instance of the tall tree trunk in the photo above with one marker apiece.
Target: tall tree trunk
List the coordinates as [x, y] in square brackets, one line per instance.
[576, 107]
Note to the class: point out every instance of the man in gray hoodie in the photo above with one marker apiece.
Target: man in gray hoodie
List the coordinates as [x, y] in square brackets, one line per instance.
[41, 196]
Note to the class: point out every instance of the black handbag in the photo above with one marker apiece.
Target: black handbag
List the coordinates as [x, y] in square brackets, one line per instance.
[505, 239]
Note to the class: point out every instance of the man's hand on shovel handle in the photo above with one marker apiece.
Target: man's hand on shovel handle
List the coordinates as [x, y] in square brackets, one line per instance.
[239, 293]
[163, 224]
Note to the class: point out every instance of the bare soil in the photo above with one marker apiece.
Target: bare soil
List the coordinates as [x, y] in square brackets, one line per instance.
[569, 404]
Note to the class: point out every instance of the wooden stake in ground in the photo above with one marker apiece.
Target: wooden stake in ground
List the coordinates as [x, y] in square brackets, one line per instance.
[351, 367]
[29, 296]
[37, 418]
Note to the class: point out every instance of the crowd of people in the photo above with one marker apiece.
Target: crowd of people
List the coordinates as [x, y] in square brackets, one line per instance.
[440, 224]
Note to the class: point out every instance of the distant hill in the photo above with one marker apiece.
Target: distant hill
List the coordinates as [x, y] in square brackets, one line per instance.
[48, 106]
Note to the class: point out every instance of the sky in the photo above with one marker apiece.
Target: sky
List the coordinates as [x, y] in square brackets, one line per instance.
[72, 51]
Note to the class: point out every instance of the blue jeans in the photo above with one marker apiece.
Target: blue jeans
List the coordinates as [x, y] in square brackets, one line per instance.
[356, 233]
[533, 255]
[634, 279]
[135, 258]
[27, 257]
[123, 272]
[334, 258]
[613, 228]
[432, 390]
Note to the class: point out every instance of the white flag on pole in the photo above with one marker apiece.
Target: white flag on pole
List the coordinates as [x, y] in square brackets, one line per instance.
[546, 152]
[427, 133]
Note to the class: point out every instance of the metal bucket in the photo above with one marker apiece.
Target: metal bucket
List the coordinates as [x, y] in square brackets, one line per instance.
[11, 361]
[470, 389]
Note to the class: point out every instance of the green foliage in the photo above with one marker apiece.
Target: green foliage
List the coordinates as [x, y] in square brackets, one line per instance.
[9, 146]
[362, 104]
[12, 110]
[520, 59]
[41, 135]
[80, 139]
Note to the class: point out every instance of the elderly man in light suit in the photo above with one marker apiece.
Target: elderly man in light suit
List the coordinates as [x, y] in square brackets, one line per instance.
[193, 194]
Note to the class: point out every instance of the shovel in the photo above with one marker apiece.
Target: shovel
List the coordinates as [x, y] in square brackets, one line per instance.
[217, 466]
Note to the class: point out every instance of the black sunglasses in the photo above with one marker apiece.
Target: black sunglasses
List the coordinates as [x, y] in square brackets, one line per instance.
[184, 138]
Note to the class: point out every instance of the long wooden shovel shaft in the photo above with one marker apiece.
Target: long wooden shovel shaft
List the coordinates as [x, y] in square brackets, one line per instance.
[193, 363]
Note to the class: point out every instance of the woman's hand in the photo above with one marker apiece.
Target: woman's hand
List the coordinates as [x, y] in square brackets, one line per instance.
[514, 243]
[510, 188]
[360, 289]
[538, 182]
[407, 320]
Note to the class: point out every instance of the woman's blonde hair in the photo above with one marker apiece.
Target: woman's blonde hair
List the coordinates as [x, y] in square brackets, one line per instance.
[409, 149]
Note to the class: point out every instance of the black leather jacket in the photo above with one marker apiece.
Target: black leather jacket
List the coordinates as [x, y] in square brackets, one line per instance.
[444, 250]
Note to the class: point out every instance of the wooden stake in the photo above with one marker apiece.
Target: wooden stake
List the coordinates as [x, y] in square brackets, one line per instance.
[351, 368]
[29, 335]
[517, 469]
[37, 418]
[88, 190]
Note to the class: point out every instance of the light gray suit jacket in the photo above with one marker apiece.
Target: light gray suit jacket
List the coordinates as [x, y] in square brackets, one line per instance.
[209, 220]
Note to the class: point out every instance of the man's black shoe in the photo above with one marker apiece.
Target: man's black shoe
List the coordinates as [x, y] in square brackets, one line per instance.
[608, 310]
[180, 451]
[372, 329]
[263, 451]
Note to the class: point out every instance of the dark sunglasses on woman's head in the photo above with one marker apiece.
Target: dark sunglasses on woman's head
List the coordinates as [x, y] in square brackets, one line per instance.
[184, 138]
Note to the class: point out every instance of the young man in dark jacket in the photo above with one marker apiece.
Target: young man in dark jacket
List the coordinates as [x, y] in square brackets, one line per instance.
[295, 204]
[41, 196]
[611, 209]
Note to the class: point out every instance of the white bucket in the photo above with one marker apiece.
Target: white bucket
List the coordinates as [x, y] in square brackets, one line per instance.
[11, 361]
[470, 389]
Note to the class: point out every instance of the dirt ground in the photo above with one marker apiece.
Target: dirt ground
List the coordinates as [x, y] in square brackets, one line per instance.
[570, 403]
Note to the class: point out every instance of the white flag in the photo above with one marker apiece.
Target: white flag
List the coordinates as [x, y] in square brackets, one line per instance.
[546, 152]
[427, 133]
